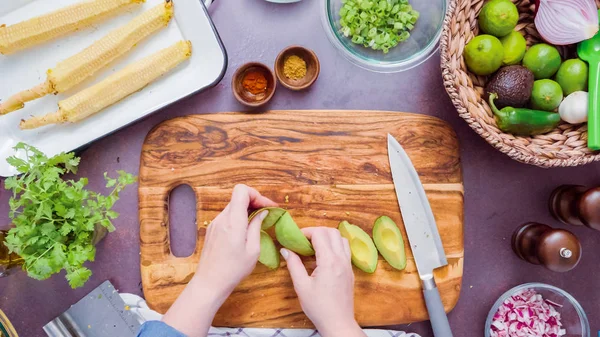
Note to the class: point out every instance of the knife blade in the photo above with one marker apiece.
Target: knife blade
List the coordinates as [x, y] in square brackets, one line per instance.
[422, 232]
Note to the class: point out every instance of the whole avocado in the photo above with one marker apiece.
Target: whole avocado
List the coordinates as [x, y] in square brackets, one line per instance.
[513, 85]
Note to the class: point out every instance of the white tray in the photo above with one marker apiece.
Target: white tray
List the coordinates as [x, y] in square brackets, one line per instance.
[26, 69]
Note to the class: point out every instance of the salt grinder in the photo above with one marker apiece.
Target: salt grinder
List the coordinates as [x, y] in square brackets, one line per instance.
[556, 249]
[576, 205]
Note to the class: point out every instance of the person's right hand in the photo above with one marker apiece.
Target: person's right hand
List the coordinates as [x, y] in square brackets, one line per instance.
[326, 296]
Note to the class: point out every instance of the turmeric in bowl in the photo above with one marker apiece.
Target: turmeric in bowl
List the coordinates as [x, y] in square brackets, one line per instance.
[294, 67]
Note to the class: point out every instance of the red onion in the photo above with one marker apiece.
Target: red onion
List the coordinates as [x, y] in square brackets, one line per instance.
[527, 314]
[563, 22]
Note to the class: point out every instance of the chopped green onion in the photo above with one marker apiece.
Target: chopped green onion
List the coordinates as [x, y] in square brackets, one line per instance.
[377, 24]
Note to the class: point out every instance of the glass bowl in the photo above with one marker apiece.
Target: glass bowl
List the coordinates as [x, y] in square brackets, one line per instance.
[573, 317]
[420, 46]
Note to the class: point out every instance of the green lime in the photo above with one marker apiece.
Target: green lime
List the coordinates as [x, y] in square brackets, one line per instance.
[483, 54]
[546, 95]
[498, 17]
[543, 60]
[573, 76]
[515, 47]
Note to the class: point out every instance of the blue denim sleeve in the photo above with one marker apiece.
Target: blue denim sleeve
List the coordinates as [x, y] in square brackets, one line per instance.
[158, 329]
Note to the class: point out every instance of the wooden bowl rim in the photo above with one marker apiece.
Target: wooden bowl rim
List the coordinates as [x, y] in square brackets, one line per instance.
[289, 51]
[240, 70]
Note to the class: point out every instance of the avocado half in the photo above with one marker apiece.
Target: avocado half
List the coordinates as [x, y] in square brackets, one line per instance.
[389, 242]
[287, 232]
[364, 254]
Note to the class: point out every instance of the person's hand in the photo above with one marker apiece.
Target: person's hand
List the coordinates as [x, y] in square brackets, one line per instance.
[326, 296]
[231, 245]
[231, 250]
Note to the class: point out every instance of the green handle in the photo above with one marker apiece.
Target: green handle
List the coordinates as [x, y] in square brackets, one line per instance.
[594, 105]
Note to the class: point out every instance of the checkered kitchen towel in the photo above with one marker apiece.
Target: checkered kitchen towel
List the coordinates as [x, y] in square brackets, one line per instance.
[139, 307]
[239, 332]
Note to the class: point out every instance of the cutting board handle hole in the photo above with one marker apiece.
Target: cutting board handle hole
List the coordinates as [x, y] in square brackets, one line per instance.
[182, 231]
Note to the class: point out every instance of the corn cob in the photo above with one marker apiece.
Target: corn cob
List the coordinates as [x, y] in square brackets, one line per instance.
[58, 23]
[89, 61]
[114, 88]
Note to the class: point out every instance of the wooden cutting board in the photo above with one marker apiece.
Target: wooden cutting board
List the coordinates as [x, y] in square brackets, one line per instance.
[324, 167]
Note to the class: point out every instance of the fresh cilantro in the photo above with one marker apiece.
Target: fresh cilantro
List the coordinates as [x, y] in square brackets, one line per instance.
[54, 219]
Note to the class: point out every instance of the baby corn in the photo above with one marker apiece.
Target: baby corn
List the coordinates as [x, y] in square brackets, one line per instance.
[114, 88]
[58, 23]
[89, 61]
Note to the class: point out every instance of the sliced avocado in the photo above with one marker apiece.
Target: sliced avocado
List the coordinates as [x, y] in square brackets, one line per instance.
[291, 237]
[364, 253]
[389, 242]
[274, 214]
[269, 256]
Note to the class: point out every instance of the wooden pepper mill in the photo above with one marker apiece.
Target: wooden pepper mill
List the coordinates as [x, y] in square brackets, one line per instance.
[556, 249]
[576, 205]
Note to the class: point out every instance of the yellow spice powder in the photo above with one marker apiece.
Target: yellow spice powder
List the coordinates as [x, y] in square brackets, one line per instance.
[294, 67]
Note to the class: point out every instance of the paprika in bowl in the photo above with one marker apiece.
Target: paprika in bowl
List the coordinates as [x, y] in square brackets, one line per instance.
[253, 84]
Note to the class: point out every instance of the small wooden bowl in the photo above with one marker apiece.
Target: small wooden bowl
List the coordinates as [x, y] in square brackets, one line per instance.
[244, 96]
[313, 67]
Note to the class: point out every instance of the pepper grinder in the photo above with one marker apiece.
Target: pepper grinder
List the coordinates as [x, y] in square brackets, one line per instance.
[556, 249]
[576, 205]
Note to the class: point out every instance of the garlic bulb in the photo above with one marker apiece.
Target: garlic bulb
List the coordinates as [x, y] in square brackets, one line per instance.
[574, 108]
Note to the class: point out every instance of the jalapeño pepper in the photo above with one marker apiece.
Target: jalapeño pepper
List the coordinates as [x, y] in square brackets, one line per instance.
[523, 122]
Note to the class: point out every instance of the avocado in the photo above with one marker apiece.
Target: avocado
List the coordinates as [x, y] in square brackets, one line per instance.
[269, 256]
[389, 242]
[291, 237]
[513, 86]
[274, 215]
[364, 253]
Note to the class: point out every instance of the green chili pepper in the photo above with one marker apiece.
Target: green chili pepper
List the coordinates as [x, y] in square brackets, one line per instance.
[523, 122]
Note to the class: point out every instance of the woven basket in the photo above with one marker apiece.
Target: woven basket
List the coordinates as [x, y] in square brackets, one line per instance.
[565, 146]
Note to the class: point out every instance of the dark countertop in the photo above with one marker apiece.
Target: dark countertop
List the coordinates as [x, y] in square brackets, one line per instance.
[500, 194]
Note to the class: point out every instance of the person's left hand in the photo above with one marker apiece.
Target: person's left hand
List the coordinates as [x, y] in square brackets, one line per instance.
[231, 250]
[232, 245]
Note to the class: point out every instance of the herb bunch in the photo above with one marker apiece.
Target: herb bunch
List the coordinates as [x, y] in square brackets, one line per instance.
[54, 219]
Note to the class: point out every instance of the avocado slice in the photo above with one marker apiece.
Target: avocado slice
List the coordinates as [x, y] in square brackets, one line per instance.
[274, 214]
[364, 253]
[269, 256]
[389, 242]
[291, 237]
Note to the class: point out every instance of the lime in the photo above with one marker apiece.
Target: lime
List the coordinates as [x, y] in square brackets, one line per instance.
[546, 95]
[543, 60]
[515, 47]
[498, 17]
[573, 76]
[483, 54]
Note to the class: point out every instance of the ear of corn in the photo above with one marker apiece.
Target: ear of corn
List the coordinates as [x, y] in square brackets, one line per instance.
[79, 67]
[114, 88]
[47, 27]
[89, 61]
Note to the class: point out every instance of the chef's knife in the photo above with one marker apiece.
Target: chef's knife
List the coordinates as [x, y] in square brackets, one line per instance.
[422, 232]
